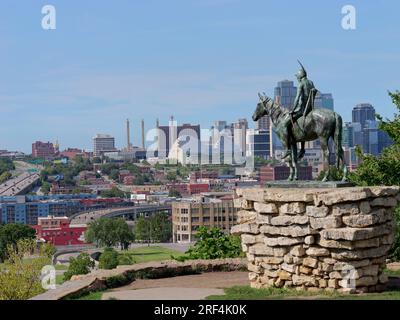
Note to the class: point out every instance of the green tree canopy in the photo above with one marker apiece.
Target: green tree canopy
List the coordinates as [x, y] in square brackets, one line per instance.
[10, 234]
[109, 232]
[79, 265]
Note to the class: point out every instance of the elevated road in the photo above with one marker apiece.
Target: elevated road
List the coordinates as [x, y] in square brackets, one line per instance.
[19, 185]
[128, 213]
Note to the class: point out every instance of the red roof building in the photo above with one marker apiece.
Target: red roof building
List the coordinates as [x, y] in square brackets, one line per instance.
[59, 232]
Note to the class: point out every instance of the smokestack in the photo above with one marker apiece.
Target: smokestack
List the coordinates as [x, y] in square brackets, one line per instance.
[128, 135]
[142, 133]
[157, 123]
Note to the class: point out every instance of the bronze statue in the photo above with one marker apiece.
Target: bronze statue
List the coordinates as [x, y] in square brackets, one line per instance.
[303, 103]
[308, 125]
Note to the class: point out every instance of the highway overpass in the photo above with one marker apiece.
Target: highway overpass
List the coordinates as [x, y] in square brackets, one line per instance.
[128, 213]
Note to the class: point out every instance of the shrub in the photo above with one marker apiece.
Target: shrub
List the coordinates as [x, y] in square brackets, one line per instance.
[125, 260]
[108, 259]
[79, 265]
[213, 244]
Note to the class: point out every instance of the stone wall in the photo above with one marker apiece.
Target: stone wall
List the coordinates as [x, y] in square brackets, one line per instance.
[315, 239]
[99, 280]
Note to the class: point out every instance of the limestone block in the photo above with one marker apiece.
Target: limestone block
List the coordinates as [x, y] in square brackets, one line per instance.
[263, 219]
[322, 283]
[384, 191]
[361, 220]
[318, 252]
[306, 270]
[341, 195]
[253, 268]
[246, 216]
[261, 249]
[354, 234]
[291, 231]
[288, 259]
[297, 260]
[292, 208]
[317, 212]
[291, 268]
[366, 281]
[339, 266]
[239, 229]
[284, 275]
[253, 276]
[326, 223]
[280, 252]
[309, 240]
[333, 283]
[349, 245]
[361, 254]
[310, 262]
[244, 204]
[273, 260]
[288, 220]
[248, 239]
[308, 281]
[298, 251]
[345, 209]
[384, 202]
[365, 207]
[371, 270]
[282, 241]
[267, 208]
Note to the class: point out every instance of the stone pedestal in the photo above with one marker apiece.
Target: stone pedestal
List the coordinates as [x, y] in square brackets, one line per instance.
[333, 239]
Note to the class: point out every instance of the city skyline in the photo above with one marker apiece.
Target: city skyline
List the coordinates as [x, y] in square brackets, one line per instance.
[102, 66]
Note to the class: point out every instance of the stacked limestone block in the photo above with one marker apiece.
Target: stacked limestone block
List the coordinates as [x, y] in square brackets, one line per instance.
[315, 239]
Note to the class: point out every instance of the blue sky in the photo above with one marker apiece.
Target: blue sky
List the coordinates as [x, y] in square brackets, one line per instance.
[200, 60]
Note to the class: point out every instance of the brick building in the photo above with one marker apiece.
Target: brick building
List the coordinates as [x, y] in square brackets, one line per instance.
[43, 150]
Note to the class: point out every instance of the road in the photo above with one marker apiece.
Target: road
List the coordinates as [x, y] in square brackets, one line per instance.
[19, 184]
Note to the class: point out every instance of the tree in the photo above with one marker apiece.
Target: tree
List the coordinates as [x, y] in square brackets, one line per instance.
[10, 234]
[109, 232]
[108, 259]
[20, 278]
[114, 193]
[157, 228]
[174, 193]
[79, 265]
[142, 230]
[213, 244]
[384, 169]
[171, 176]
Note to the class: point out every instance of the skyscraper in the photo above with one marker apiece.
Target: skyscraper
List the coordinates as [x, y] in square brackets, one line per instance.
[363, 112]
[285, 93]
[324, 100]
[103, 143]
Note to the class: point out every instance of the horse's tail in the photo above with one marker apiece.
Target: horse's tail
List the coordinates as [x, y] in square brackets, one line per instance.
[338, 137]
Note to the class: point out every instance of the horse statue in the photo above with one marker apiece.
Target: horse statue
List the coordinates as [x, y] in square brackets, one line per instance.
[318, 123]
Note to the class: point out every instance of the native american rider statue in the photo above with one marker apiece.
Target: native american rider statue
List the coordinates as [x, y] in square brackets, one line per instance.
[303, 104]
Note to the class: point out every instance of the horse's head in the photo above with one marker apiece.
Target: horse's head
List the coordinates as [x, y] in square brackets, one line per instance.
[262, 107]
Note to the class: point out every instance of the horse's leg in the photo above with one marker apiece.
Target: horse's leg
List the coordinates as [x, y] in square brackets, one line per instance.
[302, 151]
[290, 178]
[325, 152]
[294, 162]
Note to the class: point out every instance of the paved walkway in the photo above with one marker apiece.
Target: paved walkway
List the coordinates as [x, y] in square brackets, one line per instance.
[191, 287]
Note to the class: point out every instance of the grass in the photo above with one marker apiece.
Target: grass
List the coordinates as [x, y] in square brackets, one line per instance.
[248, 293]
[151, 253]
[91, 296]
